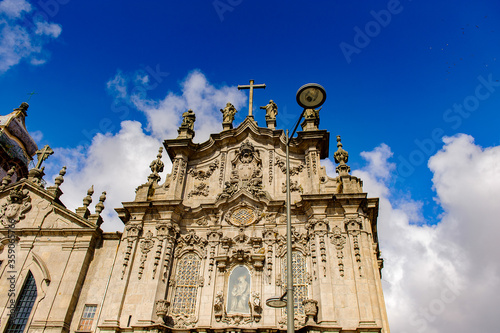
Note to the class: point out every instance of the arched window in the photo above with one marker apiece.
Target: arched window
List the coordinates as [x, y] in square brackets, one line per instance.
[299, 274]
[186, 287]
[19, 317]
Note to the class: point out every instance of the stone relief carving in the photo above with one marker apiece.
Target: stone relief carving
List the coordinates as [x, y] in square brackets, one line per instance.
[339, 240]
[161, 307]
[203, 175]
[222, 167]
[243, 215]
[246, 173]
[219, 305]
[213, 239]
[199, 190]
[14, 209]
[294, 187]
[310, 310]
[133, 230]
[271, 163]
[293, 171]
[145, 246]
[191, 241]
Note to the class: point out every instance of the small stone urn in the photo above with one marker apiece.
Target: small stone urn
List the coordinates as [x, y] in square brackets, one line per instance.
[161, 309]
[310, 310]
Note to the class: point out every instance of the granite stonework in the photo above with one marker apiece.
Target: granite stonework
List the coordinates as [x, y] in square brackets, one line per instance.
[203, 249]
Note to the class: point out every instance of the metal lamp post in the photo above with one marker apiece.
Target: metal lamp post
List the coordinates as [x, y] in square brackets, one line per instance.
[309, 96]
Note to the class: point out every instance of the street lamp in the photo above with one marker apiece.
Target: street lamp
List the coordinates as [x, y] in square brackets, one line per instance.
[309, 96]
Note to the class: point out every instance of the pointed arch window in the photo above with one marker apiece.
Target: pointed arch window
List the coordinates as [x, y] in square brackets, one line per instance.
[186, 287]
[299, 274]
[19, 317]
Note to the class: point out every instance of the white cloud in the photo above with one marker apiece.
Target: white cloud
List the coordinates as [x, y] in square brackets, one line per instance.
[164, 117]
[443, 277]
[21, 37]
[115, 163]
[50, 29]
[14, 8]
[118, 163]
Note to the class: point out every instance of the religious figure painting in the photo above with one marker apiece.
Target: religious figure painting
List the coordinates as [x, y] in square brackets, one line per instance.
[239, 291]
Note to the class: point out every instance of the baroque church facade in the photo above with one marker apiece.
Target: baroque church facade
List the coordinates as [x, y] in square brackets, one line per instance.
[202, 250]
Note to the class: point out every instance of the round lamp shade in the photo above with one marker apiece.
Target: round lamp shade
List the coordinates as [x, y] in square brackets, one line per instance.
[311, 95]
[276, 302]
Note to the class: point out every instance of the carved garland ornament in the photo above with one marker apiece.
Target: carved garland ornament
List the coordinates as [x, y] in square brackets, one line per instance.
[202, 175]
[339, 240]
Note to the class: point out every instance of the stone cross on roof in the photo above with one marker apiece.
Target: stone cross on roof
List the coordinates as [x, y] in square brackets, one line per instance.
[42, 155]
[251, 86]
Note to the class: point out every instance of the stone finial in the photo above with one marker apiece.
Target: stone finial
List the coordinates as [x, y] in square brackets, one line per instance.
[186, 130]
[341, 156]
[8, 178]
[228, 116]
[88, 199]
[100, 205]
[60, 179]
[156, 167]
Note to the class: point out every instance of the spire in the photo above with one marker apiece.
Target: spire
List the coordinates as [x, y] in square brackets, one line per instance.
[156, 167]
[341, 156]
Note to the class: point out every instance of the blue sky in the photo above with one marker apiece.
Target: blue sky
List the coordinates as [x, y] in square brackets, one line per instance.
[398, 74]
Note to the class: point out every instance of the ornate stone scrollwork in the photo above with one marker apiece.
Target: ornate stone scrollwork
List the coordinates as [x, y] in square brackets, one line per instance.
[17, 204]
[354, 226]
[201, 174]
[246, 173]
[213, 239]
[133, 230]
[294, 187]
[200, 189]
[339, 240]
[191, 241]
[146, 245]
[293, 171]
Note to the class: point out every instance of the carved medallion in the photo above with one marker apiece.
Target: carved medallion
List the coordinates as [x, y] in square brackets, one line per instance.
[243, 215]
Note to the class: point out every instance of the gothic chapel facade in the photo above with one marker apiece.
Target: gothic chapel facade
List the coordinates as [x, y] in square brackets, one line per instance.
[200, 251]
